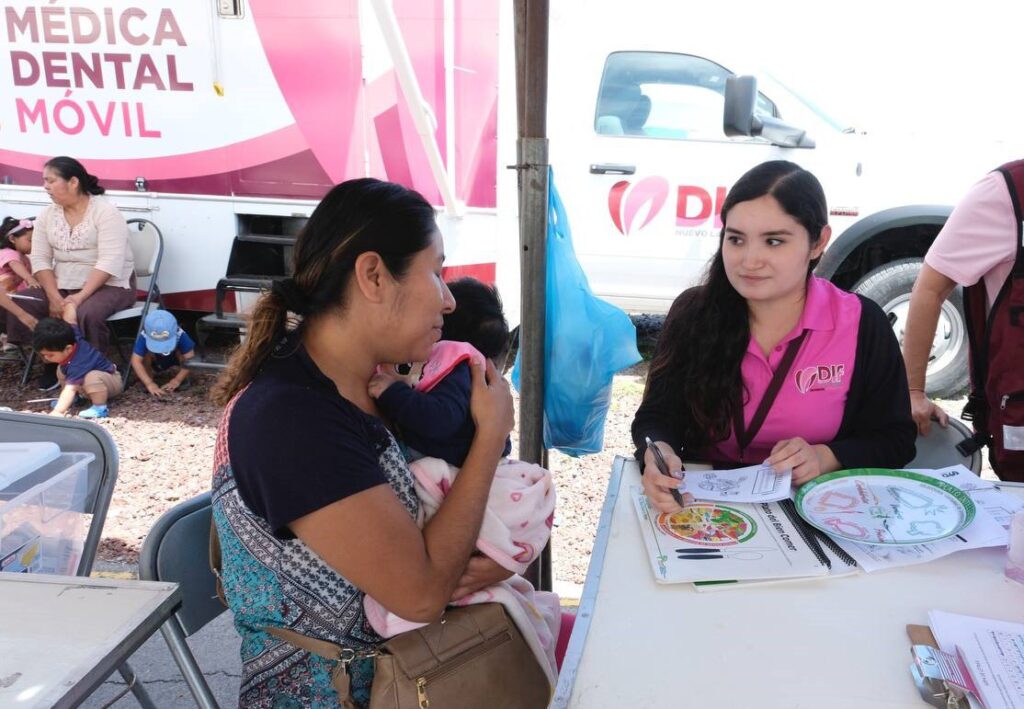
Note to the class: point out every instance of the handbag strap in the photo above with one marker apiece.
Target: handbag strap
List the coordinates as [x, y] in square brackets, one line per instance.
[340, 678]
[215, 562]
[342, 656]
[744, 436]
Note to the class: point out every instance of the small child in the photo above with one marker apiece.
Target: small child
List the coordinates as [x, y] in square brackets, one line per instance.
[15, 246]
[15, 272]
[81, 369]
[433, 416]
[436, 424]
[161, 347]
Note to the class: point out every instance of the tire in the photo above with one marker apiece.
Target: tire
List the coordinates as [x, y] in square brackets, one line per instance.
[890, 287]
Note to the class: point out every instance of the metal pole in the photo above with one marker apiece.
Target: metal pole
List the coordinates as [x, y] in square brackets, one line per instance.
[531, 30]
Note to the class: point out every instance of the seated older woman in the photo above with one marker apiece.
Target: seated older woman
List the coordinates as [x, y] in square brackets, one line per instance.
[80, 254]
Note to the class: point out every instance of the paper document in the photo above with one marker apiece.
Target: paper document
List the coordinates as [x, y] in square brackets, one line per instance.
[711, 541]
[758, 483]
[990, 527]
[993, 651]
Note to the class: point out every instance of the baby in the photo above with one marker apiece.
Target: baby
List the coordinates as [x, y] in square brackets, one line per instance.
[433, 415]
[434, 420]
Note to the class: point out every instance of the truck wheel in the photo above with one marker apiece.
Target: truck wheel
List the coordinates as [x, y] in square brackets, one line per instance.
[890, 287]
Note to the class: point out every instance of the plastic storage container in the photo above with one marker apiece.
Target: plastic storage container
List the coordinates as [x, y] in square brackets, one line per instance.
[19, 459]
[42, 517]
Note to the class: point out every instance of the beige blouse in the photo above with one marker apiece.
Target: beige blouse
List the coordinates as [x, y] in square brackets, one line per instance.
[99, 241]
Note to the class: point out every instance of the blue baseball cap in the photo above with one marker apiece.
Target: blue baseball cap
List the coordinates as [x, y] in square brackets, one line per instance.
[161, 332]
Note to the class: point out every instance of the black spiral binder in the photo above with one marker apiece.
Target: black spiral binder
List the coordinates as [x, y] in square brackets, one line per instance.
[805, 531]
[833, 547]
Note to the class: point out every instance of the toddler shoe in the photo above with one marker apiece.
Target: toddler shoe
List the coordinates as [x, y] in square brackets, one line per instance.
[96, 411]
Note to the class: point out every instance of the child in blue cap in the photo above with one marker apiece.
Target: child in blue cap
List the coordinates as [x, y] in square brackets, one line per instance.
[162, 347]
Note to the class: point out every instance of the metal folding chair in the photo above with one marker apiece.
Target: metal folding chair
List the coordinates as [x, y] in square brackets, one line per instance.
[174, 550]
[80, 436]
[147, 245]
[938, 448]
[20, 355]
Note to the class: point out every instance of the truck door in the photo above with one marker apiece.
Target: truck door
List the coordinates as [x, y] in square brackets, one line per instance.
[645, 180]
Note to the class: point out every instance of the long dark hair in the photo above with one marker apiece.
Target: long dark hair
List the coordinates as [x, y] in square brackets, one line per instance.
[353, 218]
[707, 331]
[6, 228]
[69, 167]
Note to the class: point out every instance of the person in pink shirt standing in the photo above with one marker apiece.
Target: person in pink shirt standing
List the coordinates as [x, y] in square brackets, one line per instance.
[766, 362]
[982, 249]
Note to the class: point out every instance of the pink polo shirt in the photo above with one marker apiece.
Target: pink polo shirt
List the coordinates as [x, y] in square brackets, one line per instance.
[812, 399]
[979, 238]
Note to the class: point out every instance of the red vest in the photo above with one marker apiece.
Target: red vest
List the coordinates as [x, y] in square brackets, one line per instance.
[996, 403]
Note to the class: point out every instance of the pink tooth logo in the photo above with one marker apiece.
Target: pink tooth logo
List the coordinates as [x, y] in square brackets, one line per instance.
[626, 201]
[824, 375]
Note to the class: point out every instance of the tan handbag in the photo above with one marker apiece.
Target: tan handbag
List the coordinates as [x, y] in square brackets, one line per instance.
[474, 656]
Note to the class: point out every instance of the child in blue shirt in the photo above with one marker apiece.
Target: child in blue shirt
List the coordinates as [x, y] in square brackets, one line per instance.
[81, 369]
[162, 347]
[433, 416]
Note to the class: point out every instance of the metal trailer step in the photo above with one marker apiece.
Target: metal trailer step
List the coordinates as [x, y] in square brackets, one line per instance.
[224, 321]
[199, 363]
[282, 239]
[247, 282]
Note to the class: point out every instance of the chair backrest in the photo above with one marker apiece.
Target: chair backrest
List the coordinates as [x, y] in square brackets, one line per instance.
[74, 435]
[176, 549]
[938, 448]
[147, 245]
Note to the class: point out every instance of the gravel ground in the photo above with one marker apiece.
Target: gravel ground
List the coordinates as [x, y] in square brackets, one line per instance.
[166, 450]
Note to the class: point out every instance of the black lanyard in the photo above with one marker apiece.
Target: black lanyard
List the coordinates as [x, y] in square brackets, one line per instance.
[745, 436]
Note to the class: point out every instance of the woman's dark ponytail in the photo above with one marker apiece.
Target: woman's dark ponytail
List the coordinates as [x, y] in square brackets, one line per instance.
[353, 218]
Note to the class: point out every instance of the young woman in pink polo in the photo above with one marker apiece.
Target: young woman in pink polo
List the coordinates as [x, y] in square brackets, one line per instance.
[766, 362]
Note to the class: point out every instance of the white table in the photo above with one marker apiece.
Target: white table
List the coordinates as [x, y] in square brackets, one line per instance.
[824, 643]
[61, 636]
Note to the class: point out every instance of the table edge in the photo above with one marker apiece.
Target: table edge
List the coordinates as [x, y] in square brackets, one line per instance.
[591, 585]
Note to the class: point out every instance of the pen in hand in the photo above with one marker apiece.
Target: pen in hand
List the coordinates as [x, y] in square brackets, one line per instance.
[659, 460]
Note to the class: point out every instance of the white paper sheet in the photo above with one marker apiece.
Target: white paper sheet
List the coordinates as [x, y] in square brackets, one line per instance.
[990, 527]
[993, 651]
[757, 483]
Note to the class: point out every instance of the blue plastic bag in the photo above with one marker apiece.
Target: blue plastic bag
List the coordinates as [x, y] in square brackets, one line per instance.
[587, 341]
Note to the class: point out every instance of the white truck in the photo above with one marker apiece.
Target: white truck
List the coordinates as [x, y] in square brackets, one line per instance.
[223, 121]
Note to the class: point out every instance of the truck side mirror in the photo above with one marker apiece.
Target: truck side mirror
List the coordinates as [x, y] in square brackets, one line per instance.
[739, 118]
[740, 95]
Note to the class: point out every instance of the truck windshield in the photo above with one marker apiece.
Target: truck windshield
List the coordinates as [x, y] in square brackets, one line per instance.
[815, 108]
[664, 95]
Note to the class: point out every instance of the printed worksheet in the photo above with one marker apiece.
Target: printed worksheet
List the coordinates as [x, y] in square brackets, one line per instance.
[993, 651]
[757, 483]
[990, 527]
[712, 541]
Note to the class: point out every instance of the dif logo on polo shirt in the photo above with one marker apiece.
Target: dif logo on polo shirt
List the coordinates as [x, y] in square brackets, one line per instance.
[819, 377]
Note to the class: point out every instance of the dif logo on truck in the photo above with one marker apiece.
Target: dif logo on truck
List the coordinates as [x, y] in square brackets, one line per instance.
[635, 205]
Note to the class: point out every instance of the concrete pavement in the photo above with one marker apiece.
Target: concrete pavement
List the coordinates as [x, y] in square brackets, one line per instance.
[216, 651]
